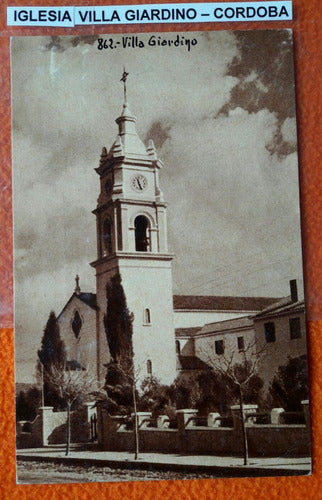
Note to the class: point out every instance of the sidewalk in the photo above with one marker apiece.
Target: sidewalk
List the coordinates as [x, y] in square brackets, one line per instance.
[216, 465]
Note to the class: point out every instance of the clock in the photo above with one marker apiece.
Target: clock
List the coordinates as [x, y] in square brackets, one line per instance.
[139, 183]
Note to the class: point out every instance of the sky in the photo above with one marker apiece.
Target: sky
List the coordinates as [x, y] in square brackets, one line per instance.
[222, 118]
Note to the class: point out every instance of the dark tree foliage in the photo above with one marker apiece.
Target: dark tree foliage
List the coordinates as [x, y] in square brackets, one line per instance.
[120, 377]
[211, 390]
[51, 353]
[119, 390]
[52, 350]
[27, 404]
[263, 59]
[118, 321]
[157, 398]
[290, 385]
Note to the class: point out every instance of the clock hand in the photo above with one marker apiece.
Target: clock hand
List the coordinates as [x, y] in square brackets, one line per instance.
[139, 184]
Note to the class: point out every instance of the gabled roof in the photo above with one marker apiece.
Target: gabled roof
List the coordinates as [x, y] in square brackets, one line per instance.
[191, 363]
[284, 306]
[187, 332]
[221, 303]
[86, 297]
[230, 325]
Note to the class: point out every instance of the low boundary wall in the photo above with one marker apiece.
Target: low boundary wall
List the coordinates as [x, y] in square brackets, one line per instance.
[263, 440]
[49, 427]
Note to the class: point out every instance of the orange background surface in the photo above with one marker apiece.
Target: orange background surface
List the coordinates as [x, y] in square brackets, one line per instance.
[308, 57]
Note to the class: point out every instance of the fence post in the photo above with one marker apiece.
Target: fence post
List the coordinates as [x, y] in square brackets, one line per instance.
[184, 418]
[143, 418]
[276, 416]
[213, 420]
[163, 422]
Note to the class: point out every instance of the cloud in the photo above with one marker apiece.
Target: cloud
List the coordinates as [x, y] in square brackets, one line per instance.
[264, 68]
[233, 198]
[61, 44]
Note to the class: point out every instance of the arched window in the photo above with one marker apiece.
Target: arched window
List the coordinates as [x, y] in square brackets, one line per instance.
[177, 347]
[142, 242]
[147, 316]
[107, 236]
[76, 324]
[149, 367]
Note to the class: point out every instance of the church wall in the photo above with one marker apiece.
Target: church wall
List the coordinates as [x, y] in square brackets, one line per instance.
[148, 285]
[83, 348]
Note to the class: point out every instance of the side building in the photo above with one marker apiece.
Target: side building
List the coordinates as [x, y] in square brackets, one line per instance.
[277, 331]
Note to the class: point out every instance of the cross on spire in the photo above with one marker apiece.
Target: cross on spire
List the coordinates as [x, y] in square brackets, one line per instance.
[77, 288]
[123, 79]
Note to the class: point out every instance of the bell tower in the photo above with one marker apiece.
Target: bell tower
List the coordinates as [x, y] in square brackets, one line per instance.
[132, 242]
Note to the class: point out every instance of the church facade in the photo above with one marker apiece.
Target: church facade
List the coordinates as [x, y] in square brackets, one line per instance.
[131, 227]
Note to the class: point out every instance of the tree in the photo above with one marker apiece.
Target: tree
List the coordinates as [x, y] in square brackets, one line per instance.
[51, 353]
[240, 371]
[22, 407]
[118, 322]
[121, 388]
[157, 398]
[27, 404]
[72, 386]
[122, 376]
[290, 384]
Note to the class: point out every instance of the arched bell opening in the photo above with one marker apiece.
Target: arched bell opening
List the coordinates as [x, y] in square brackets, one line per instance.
[142, 237]
[107, 236]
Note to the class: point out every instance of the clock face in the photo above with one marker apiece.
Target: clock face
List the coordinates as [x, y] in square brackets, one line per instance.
[139, 183]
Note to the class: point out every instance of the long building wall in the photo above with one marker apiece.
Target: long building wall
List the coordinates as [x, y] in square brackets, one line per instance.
[187, 319]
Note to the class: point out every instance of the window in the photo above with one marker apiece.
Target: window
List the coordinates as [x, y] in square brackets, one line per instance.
[141, 225]
[241, 343]
[269, 332]
[147, 316]
[177, 347]
[295, 328]
[107, 236]
[149, 367]
[219, 347]
[76, 324]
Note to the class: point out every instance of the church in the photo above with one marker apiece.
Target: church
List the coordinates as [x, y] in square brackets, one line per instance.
[131, 228]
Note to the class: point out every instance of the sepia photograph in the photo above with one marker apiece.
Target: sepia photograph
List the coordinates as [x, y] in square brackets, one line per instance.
[158, 287]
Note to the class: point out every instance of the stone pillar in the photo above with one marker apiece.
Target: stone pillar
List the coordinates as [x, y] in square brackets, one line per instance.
[306, 410]
[248, 410]
[46, 423]
[276, 416]
[184, 418]
[107, 427]
[143, 417]
[163, 422]
[212, 420]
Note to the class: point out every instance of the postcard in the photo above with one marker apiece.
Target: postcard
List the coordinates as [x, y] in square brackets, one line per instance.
[159, 306]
